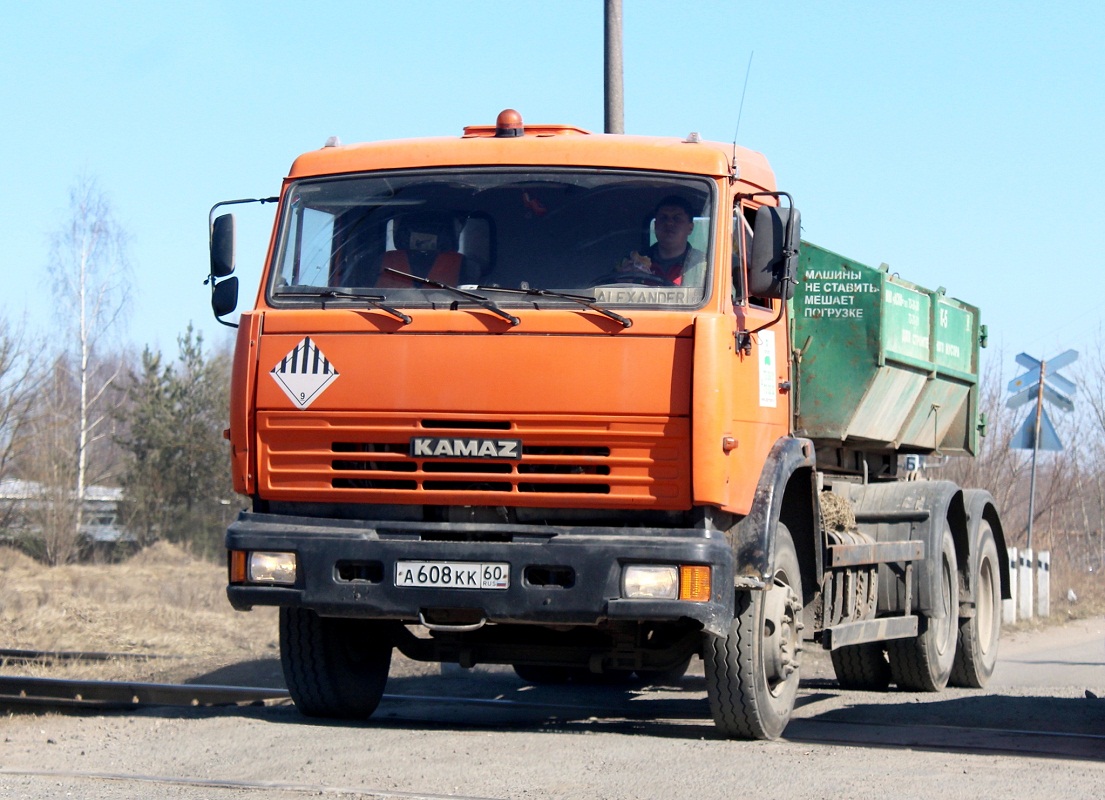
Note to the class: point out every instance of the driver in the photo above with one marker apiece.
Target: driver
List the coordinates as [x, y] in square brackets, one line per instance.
[671, 258]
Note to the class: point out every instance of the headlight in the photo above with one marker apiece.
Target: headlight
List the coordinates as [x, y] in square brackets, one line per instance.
[272, 568]
[650, 582]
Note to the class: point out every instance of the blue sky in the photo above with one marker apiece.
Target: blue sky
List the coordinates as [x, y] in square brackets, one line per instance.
[958, 142]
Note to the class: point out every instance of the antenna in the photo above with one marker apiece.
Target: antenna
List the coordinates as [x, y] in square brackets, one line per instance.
[740, 111]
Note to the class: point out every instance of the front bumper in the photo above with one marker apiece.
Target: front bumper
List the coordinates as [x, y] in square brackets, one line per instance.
[347, 568]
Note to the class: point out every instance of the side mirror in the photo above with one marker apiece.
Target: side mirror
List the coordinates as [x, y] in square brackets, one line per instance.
[224, 297]
[776, 237]
[222, 246]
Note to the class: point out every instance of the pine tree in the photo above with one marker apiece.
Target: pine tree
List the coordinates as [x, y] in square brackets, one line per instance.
[149, 442]
[177, 483]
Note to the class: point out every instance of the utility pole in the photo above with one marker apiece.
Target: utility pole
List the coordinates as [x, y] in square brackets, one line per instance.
[1036, 451]
[615, 114]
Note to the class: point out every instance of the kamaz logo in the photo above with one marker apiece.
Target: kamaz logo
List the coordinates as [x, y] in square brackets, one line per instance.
[426, 447]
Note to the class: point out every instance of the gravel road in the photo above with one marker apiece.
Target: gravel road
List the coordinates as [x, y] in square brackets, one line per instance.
[1037, 731]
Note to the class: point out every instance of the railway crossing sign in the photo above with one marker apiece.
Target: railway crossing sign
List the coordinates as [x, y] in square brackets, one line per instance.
[1041, 382]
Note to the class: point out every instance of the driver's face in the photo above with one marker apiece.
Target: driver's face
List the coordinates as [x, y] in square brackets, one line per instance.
[673, 226]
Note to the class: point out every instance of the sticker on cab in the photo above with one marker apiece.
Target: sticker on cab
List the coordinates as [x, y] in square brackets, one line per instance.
[304, 373]
[769, 384]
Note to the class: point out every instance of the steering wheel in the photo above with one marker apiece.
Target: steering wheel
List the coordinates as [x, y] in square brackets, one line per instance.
[634, 277]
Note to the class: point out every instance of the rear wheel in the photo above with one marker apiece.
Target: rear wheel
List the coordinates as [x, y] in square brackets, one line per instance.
[862, 666]
[977, 652]
[333, 667]
[924, 663]
[752, 672]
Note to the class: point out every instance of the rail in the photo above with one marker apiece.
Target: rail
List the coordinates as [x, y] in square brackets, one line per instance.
[64, 693]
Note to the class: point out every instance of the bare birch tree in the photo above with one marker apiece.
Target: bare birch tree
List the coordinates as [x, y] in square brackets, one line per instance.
[1005, 472]
[20, 379]
[51, 513]
[89, 266]
[1093, 392]
[1093, 373]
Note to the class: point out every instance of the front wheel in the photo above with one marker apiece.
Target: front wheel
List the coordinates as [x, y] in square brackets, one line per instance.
[752, 672]
[334, 668]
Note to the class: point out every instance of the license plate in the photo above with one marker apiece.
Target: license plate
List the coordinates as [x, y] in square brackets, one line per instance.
[452, 574]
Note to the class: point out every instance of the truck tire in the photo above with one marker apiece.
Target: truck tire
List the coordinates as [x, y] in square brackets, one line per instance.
[977, 652]
[862, 666]
[334, 668]
[752, 671]
[924, 663]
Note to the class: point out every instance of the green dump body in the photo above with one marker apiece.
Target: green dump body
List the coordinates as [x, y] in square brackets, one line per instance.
[883, 363]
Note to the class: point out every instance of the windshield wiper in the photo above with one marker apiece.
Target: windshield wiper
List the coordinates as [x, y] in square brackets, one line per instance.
[479, 299]
[583, 300]
[374, 300]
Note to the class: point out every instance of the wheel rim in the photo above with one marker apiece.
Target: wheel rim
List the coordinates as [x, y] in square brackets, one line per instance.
[780, 637]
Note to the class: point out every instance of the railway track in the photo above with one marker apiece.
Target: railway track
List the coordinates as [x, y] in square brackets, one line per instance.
[53, 656]
[57, 693]
[62, 693]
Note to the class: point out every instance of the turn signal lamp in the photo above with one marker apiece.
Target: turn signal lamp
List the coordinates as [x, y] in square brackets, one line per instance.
[694, 583]
[262, 567]
[237, 566]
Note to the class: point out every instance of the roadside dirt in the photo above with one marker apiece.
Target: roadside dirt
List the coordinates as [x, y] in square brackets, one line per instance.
[160, 617]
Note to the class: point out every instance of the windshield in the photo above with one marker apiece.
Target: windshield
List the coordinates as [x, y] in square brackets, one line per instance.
[619, 238]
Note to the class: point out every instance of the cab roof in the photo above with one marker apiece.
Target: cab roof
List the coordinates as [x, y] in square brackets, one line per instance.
[539, 145]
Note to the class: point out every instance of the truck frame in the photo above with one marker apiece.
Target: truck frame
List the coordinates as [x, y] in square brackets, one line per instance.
[469, 433]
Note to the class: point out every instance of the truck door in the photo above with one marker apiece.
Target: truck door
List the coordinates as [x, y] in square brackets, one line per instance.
[760, 368]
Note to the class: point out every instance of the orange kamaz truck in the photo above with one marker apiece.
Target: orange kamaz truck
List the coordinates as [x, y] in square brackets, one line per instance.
[586, 405]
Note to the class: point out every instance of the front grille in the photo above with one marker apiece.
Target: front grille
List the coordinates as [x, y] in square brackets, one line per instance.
[355, 458]
[475, 476]
[466, 424]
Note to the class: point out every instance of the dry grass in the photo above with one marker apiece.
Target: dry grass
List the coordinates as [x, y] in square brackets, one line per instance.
[161, 602]
[1088, 585]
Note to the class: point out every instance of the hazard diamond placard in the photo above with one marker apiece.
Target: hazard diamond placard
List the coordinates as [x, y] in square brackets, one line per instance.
[304, 373]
